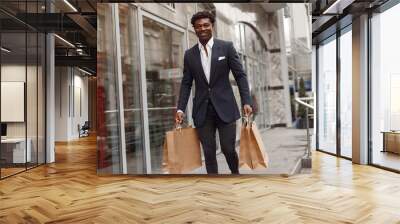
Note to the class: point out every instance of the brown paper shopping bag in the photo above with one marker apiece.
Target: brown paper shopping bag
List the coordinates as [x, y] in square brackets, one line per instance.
[181, 151]
[252, 151]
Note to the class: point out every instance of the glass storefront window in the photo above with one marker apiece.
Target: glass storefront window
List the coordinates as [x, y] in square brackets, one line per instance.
[163, 48]
[192, 39]
[22, 91]
[31, 95]
[133, 112]
[192, 42]
[251, 41]
[41, 79]
[108, 133]
[13, 84]
[253, 60]
[327, 96]
[346, 94]
[385, 89]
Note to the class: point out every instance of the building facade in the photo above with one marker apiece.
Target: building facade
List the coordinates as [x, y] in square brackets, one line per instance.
[140, 62]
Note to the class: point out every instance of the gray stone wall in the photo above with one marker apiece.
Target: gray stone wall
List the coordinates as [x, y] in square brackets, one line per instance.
[277, 85]
[269, 28]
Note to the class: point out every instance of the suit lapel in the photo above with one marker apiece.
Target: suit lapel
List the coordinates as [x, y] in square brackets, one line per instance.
[198, 63]
[214, 58]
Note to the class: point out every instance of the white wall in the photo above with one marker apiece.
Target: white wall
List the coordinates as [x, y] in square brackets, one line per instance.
[80, 83]
[61, 103]
[33, 125]
[71, 87]
[12, 101]
[15, 73]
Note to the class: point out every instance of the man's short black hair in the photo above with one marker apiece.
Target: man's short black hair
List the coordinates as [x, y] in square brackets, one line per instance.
[202, 15]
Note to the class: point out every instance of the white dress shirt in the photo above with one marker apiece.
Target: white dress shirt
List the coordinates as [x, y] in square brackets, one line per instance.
[205, 58]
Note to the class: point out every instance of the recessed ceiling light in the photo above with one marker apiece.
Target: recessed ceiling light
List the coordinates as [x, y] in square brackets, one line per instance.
[70, 5]
[5, 50]
[86, 72]
[64, 40]
[338, 6]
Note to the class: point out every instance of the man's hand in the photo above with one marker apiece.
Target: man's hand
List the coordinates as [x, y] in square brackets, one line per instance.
[247, 110]
[179, 117]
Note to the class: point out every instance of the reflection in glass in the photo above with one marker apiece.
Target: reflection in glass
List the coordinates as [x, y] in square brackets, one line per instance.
[108, 144]
[327, 97]
[163, 48]
[192, 39]
[346, 94]
[41, 98]
[131, 89]
[31, 97]
[251, 50]
[23, 85]
[385, 85]
[14, 153]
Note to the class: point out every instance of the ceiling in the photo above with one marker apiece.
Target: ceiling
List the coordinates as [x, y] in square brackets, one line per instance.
[330, 15]
[74, 22]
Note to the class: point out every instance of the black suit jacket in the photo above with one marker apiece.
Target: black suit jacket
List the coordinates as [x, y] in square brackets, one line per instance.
[219, 90]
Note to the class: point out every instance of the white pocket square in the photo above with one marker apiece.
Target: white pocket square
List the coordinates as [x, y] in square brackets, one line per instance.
[221, 58]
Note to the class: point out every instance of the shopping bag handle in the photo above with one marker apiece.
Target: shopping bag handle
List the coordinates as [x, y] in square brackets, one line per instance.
[248, 119]
[179, 126]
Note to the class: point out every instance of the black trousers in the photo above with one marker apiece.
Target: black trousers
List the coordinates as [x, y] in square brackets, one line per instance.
[227, 137]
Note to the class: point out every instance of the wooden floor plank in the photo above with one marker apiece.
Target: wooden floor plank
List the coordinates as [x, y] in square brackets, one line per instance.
[69, 191]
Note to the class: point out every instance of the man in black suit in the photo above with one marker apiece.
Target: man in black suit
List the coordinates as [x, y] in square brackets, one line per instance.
[208, 63]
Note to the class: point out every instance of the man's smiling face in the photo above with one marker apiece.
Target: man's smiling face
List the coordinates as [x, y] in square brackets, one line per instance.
[203, 28]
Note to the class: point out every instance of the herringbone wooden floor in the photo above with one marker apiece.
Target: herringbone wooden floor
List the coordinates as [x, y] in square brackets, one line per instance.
[69, 191]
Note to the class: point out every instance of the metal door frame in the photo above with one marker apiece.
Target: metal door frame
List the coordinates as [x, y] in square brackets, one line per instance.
[143, 13]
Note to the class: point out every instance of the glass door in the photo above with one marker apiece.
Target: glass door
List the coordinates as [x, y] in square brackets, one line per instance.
[163, 52]
[130, 68]
[22, 87]
[15, 152]
[109, 144]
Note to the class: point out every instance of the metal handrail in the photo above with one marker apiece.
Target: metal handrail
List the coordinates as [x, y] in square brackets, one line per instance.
[300, 101]
[303, 101]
